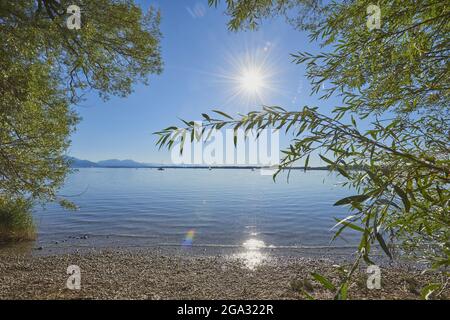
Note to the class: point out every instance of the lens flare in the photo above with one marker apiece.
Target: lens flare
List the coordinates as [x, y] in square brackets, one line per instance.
[189, 238]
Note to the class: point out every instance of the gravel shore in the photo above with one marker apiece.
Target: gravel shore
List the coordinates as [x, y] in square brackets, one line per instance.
[151, 274]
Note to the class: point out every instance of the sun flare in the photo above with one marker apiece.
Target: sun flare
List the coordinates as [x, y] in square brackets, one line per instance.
[251, 81]
[250, 76]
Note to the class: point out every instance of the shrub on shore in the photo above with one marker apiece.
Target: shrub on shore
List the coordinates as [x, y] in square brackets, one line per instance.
[16, 221]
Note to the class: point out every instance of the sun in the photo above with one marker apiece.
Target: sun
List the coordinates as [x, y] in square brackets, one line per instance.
[249, 77]
[251, 81]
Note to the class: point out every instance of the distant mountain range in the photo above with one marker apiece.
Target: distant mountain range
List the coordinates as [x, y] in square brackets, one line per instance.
[115, 163]
[112, 163]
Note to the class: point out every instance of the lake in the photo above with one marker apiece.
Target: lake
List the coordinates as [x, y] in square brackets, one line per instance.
[197, 207]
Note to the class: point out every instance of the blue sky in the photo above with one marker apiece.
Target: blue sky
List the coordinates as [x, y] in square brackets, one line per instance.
[199, 55]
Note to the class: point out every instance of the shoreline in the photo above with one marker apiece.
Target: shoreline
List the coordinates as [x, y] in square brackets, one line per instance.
[157, 274]
[85, 245]
[87, 242]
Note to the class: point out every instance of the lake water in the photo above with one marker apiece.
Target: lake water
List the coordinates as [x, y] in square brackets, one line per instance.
[197, 207]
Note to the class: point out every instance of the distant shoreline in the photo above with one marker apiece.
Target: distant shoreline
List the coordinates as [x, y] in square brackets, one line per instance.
[199, 167]
[131, 164]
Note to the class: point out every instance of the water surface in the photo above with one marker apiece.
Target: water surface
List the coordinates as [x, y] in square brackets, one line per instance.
[199, 207]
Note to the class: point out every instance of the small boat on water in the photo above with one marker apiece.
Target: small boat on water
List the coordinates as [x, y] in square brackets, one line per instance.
[160, 169]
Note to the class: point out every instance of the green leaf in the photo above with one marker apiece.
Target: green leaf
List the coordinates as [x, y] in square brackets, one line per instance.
[306, 162]
[373, 176]
[428, 290]
[66, 204]
[326, 159]
[223, 114]
[383, 245]
[342, 295]
[307, 295]
[404, 197]
[343, 172]
[324, 281]
[387, 202]
[348, 225]
[358, 198]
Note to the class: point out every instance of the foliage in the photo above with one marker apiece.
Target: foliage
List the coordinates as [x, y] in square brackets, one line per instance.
[396, 78]
[44, 70]
[247, 14]
[16, 222]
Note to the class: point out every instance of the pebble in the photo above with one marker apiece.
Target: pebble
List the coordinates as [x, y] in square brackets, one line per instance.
[155, 274]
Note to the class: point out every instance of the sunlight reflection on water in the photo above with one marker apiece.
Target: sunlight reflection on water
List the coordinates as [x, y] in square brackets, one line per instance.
[252, 256]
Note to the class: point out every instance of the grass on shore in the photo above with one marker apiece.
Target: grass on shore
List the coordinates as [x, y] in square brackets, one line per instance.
[16, 221]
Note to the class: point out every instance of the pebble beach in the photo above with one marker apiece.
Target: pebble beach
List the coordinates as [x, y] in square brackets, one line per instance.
[154, 274]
